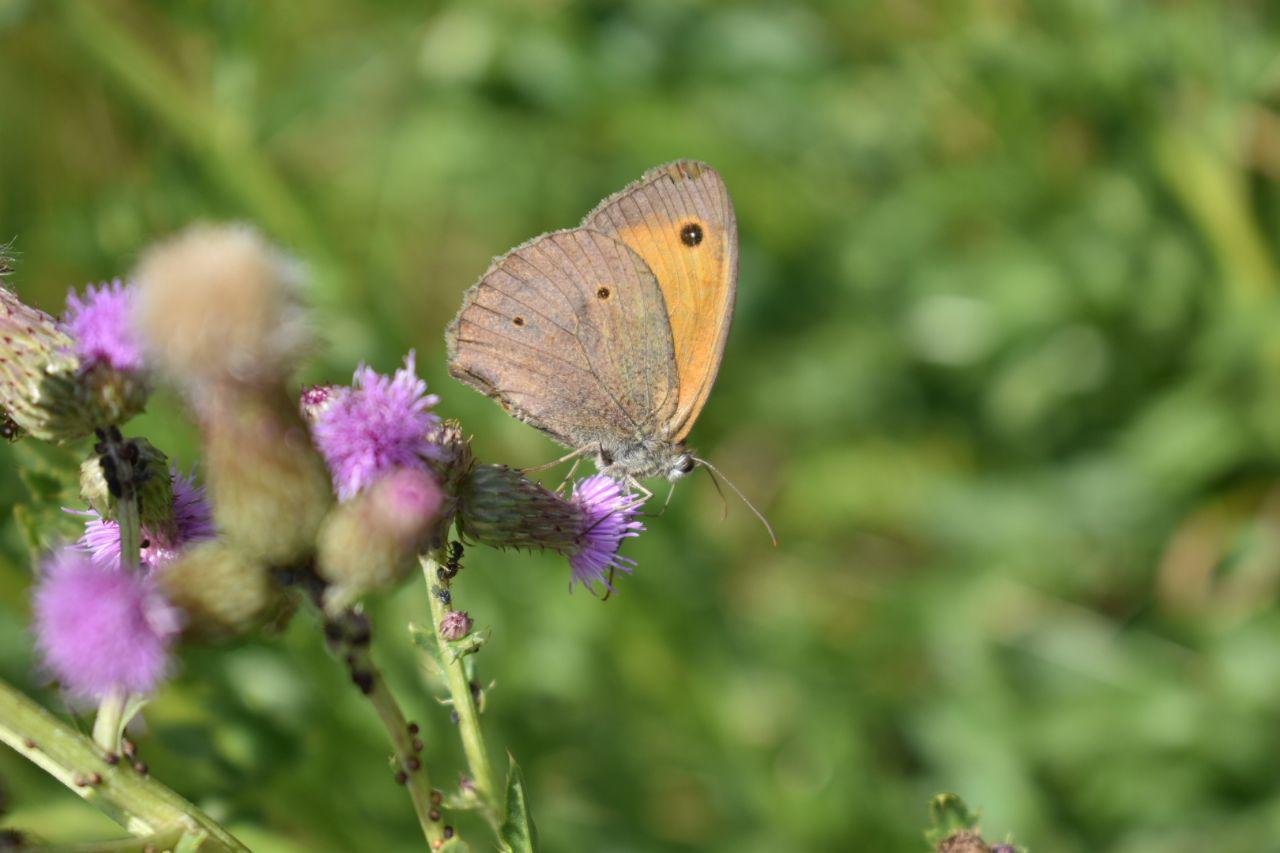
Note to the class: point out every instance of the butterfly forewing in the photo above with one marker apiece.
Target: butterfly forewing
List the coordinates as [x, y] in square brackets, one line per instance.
[569, 333]
[680, 220]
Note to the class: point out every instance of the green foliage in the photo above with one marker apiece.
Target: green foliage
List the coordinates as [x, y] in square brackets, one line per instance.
[947, 815]
[51, 478]
[1003, 374]
[518, 833]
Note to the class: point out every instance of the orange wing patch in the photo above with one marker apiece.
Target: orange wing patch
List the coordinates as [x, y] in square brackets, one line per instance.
[680, 220]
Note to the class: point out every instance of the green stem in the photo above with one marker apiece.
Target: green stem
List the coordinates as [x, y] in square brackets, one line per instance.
[130, 531]
[165, 840]
[109, 723]
[349, 636]
[463, 701]
[140, 804]
[418, 779]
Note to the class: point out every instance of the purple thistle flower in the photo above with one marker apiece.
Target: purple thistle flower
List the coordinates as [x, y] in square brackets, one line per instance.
[609, 516]
[99, 630]
[379, 423]
[101, 325]
[192, 522]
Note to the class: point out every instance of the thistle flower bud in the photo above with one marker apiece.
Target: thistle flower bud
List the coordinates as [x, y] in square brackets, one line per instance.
[190, 520]
[154, 487]
[315, 400]
[963, 841]
[502, 508]
[220, 304]
[110, 396]
[455, 625]
[57, 381]
[453, 458]
[370, 542]
[222, 592]
[38, 374]
[112, 371]
[269, 486]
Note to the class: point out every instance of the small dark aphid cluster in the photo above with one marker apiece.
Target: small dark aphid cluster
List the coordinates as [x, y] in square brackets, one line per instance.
[122, 464]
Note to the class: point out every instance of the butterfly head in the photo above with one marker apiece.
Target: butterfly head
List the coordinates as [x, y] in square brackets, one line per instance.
[681, 464]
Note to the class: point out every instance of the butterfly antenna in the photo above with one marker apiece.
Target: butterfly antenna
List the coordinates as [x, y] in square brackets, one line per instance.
[713, 470]
[724, 502]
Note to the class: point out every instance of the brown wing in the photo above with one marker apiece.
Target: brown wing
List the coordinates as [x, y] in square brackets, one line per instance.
[679, 218]
[568, 332]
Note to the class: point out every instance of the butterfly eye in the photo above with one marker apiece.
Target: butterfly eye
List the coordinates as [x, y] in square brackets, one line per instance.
[691, 234]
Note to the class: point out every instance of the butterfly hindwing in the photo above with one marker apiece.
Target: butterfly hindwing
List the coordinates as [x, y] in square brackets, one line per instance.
[569, 333]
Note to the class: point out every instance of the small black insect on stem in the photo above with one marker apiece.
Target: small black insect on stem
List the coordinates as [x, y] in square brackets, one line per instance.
[453, 564]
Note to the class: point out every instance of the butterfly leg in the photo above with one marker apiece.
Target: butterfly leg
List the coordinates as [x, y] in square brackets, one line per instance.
[562, 459]
[667, 502]
[632, 482]
[569, 476]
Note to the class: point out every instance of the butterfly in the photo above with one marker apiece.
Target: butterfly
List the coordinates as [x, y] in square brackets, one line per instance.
[608, 337]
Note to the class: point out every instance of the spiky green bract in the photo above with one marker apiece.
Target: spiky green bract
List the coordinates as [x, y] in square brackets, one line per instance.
[44, 388]
[502, 508]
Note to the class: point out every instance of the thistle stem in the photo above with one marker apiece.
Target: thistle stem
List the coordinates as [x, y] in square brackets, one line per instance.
[349, 637]
[140, 804]
[109, 722]
[464, 703]
[130, 530]
[126, 473]
[418, 779]
[165, 840]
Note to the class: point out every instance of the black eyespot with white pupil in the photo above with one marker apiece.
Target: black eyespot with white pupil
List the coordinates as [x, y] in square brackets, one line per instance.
[603, 293]
[517, 321]
[691, 234]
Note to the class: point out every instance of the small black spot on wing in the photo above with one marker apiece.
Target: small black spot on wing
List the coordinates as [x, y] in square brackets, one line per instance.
[691, 234]
[517, 321]
[603, 292]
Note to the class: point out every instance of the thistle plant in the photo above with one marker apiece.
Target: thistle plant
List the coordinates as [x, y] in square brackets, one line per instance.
[304, 501]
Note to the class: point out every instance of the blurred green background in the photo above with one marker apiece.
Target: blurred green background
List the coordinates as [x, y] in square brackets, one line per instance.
[1004, 375]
